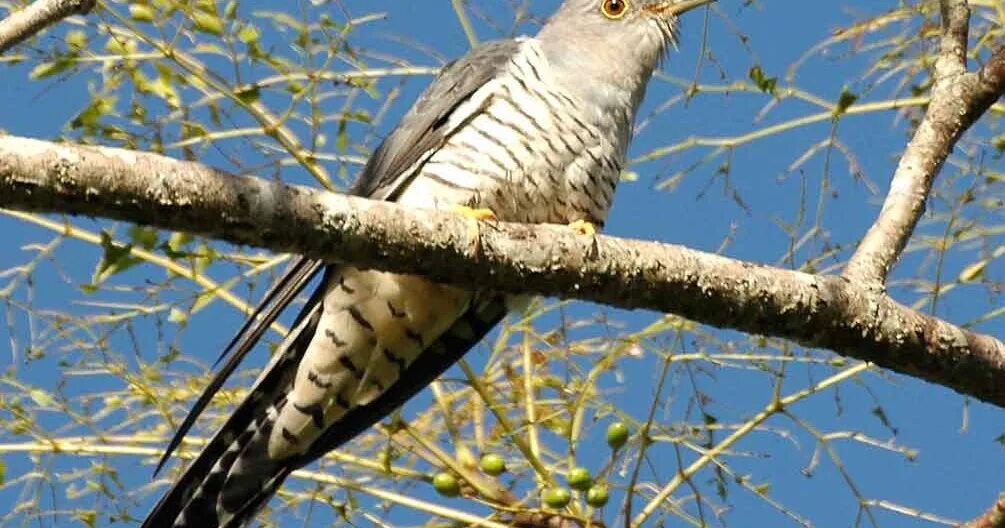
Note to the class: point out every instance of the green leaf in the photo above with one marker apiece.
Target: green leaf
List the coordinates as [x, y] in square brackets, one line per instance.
[99, 107]
[41, 398]
[999, 143]
[168, 7]
[281, 20]
[207, 296]
[847, 99]
[249, 94]
[163, 87]
[358, 115]
[204, 256]
[120, 45]
[248, 34]
[342, 137]
[177, 316]
[175, 246]
[142, 12]
[144, 237]
[116, 258]
[170, 356]
[193, 130]
[205, 6]
[327, 22]
[88, 517]
[48, 69]
[762, 81]
[208, 23]
[973, 271]
[76, 39]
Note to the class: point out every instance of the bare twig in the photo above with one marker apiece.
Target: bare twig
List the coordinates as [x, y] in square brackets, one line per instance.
[22, 25]
[993, 518]
[815, 310]
[958, 99]
[773, 408]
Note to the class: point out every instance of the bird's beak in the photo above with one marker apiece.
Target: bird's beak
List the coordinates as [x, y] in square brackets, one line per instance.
[675, 7]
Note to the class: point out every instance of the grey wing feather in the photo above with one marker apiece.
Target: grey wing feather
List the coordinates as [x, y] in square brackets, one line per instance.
[423, 129]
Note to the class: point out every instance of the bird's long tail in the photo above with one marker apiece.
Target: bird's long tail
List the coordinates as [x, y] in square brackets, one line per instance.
[233, 477]
[199, 498]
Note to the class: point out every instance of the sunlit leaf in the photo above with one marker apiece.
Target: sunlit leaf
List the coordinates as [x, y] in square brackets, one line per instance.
[208, 23]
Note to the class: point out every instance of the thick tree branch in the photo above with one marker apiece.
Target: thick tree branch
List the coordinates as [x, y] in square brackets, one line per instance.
[819, 311]
[21, 25]
[993, 518]
[958, 99]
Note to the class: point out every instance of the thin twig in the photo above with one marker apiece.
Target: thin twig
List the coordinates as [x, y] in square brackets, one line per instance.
[958, 99]
[770, 410]
[210, 288]
[462, 17]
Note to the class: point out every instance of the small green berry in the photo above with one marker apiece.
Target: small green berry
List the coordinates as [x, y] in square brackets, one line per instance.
[447, 485]
[556, 497]
[617, 435]
[493, 464]
[579, 479]
[596, 496]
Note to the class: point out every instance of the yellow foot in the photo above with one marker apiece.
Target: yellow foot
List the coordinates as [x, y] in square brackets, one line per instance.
[472, 213]
[474, 216]
[584, 227]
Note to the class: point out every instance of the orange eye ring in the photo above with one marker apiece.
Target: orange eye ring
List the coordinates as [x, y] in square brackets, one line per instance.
[614, 9]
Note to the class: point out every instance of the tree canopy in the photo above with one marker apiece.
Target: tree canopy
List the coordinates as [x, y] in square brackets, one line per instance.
[794, 314]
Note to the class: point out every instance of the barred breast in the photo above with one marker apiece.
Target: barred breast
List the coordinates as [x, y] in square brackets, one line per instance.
[526, 150]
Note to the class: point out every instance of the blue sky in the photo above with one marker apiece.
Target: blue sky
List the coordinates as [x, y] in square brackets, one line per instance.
[743, 213]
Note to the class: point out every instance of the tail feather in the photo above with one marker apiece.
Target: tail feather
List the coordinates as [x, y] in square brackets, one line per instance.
[297, 276]
[233, 477]
[196, 493]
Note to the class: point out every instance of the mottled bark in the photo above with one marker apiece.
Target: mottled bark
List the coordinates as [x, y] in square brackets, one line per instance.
[815, 310]
[21, 25]
[958, 100]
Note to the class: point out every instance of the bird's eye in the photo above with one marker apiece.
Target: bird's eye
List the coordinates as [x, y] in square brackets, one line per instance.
[614, 9]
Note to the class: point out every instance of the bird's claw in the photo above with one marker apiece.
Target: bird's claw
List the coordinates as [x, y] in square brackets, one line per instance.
[474, 215]
[584, 227]
[587, 228]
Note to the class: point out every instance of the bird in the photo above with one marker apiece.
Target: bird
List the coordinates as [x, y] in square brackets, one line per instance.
[527, 129]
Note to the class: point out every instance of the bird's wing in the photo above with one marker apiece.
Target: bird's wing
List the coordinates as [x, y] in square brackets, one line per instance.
[424, 128]
[392, 166]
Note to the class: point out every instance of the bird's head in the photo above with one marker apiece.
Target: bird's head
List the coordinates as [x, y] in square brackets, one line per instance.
[613, 40]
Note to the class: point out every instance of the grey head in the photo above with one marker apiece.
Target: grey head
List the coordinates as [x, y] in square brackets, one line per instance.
[608, 49]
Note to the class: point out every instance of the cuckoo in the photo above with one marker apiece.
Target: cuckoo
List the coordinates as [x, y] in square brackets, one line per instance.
[531, 129]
